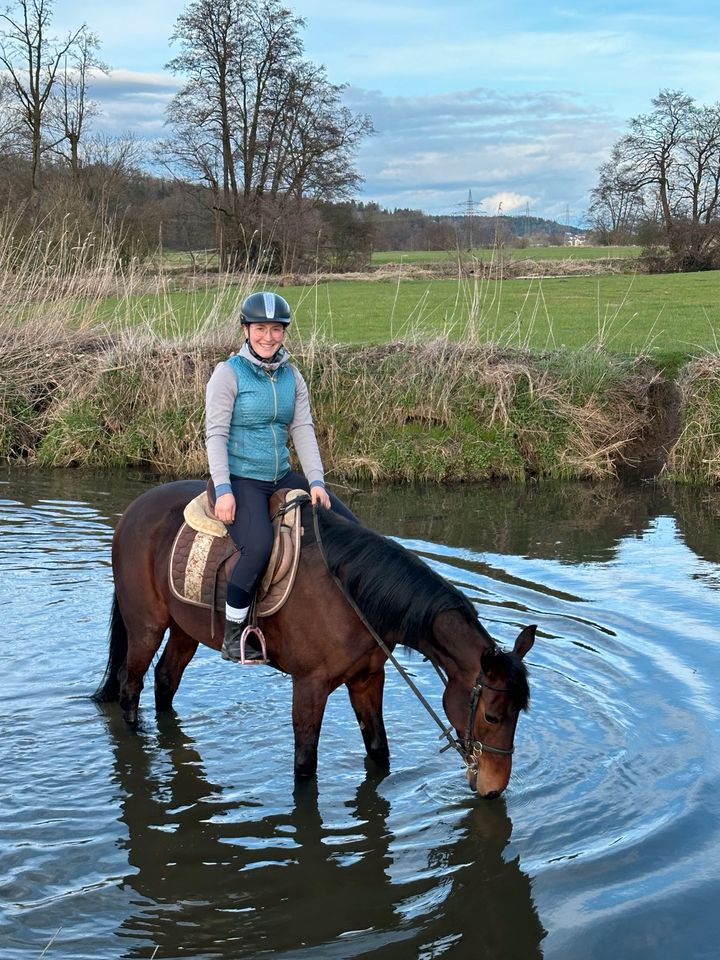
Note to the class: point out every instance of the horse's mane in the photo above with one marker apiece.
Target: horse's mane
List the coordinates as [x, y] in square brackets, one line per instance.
[395, 588]
[391, 586]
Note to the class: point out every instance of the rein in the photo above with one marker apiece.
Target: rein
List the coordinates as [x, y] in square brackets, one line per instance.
[466, 747]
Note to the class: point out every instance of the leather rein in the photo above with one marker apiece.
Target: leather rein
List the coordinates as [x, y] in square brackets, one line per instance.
[466, 747]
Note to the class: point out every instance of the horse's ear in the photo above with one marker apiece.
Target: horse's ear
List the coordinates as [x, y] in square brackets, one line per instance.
[488, 658]
[525, 640]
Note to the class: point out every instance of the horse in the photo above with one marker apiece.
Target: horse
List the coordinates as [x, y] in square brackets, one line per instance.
[357, 594]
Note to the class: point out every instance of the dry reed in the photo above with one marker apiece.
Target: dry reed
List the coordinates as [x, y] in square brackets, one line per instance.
[130, 390]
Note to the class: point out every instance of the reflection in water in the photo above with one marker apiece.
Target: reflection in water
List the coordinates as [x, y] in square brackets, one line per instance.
[567, 522]
[219, 879]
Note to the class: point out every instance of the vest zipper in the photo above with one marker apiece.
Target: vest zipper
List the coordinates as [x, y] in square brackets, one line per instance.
[274, 418]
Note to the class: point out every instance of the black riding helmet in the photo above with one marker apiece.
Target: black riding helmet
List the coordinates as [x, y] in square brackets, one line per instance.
[265, 308]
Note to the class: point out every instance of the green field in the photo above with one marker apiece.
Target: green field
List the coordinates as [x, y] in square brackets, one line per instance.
[507, 253]
[671, 317]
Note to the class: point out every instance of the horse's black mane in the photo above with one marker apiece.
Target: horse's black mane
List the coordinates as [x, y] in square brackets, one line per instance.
[395, 589]
[391, 586]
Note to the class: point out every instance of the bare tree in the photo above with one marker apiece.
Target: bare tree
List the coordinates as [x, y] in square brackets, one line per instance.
[652, 147]
[669, 164]
[32, 59]
[70, 107]
[263, 128]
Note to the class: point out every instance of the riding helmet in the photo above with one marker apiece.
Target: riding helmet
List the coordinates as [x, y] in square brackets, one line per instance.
[265, 307]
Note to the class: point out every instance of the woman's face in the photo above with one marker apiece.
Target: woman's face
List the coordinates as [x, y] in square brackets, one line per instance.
[265, 338]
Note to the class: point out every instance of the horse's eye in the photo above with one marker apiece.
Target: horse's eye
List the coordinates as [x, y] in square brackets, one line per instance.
[491, 719]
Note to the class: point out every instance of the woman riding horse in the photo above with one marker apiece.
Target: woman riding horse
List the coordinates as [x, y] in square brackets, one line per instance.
[254, 400]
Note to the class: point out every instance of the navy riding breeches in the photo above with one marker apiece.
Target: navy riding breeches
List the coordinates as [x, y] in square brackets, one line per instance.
[252, 530]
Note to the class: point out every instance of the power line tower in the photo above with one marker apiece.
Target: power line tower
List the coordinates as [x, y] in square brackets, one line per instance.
[470, 211]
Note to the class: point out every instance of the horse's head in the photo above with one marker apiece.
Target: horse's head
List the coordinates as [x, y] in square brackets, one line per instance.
[500, 693]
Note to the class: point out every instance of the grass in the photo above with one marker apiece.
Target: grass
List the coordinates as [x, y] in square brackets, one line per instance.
[508, 253]
[670, 317]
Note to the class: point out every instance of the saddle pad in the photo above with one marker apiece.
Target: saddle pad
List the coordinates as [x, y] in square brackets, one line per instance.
[197, 567]
[194, 562]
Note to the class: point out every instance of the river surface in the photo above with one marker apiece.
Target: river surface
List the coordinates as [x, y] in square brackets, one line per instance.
[189, 837]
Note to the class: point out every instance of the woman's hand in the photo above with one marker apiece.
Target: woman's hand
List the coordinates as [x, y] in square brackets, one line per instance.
[225, 508]
[319, 495]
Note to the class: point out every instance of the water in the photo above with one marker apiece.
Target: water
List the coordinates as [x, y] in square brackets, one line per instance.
[190, 838]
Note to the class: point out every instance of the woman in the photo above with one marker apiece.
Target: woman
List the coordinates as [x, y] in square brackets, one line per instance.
[253, 401]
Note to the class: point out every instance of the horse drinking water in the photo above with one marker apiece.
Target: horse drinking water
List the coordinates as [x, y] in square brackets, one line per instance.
[356, 595]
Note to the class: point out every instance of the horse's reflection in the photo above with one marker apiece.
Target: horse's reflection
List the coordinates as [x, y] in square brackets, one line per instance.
[216, 878]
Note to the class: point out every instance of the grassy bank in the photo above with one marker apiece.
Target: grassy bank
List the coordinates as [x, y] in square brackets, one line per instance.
[432, 410]
[105, 365]
[670, 318]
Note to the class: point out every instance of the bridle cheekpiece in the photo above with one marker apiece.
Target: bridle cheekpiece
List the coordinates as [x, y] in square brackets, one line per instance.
[478, 745]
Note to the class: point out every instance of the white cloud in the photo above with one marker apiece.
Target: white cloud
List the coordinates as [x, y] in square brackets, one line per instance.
[507, 202]
[130, 100]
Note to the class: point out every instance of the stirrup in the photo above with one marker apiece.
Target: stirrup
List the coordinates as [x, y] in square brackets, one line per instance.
[247, 632]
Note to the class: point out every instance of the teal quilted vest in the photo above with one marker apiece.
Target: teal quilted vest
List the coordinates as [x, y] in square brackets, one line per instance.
[264, 407]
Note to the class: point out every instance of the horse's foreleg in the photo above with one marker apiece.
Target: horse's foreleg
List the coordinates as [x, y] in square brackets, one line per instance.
[308, 707]
[366, 697]
[178, 652]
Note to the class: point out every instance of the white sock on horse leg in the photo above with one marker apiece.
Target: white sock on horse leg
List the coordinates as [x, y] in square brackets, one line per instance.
[236, 614]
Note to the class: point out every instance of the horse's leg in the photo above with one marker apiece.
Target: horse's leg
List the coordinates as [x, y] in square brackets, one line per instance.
[366, 697]
[143, 643]
[178, 652]
[308, 707]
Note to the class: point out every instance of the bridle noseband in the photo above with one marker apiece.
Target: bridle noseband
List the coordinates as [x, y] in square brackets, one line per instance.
[478, 745]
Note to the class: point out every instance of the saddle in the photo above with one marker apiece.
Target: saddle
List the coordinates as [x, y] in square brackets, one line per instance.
[203, 554]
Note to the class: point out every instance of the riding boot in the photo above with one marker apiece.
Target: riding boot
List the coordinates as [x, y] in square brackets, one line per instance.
[231, 641]
[232, 647]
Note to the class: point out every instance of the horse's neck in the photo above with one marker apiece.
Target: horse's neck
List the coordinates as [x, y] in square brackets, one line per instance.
[455, 645]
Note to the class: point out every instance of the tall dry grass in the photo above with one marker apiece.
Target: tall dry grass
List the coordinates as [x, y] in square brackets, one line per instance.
[695, 457]
[129, 390]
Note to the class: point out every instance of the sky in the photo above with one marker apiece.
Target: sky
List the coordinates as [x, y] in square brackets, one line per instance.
[511, 106]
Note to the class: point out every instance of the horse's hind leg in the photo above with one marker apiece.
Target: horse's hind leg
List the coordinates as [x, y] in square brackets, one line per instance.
[178, 652]
[366, 697]
[143, 644]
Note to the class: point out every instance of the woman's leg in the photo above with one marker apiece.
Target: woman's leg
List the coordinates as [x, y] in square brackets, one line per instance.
[252, 533]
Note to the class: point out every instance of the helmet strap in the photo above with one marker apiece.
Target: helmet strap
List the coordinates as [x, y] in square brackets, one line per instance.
[265, 361]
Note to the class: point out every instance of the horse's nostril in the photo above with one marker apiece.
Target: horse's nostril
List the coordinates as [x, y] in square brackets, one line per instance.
[493, 795]
[491, 719]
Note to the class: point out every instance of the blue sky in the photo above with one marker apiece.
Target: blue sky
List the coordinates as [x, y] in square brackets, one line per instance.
[517, 102]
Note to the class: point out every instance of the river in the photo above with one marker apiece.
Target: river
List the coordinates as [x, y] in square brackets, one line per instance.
[189, 837]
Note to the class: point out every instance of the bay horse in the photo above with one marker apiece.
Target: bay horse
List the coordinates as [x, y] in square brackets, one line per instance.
[319, 637]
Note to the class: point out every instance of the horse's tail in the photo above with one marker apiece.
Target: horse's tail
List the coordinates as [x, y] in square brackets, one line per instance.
[109, 689]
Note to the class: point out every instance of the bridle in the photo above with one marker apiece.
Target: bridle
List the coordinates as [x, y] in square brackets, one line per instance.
[470, 743]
